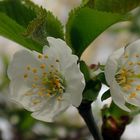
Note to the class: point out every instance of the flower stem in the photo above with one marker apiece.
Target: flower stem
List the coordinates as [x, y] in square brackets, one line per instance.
[86, 113]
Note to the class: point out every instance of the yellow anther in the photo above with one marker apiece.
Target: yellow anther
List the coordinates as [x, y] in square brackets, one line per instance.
[57, 60]
[28, 67]
[34, 85]
[138, 63]
[48, 91]
[39, 56]
[36, 78]
[43, 89]
[44, 73]
[42, 66]
[127, 87]
[44, 83]
[138, 87]
[48, 94]
[130, 63]
[57, 83]
[25, 76]
[125, 55]
[132, 95]
[40, 93]
[28, 93]
[60, 91]
[130, 81]
[36, 101]
[52, 66]
[46, 56]
[59, 98]
[34, 70]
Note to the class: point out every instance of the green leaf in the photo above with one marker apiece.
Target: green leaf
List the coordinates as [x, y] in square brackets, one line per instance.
[106, 95]
[91, 90]
[23, 12]
[85, 25]
[101, 77]
[116, 6]
[88, 3]
[116, 111]
[85, 70]
[46, 24]
[17, 10]
[13, 31]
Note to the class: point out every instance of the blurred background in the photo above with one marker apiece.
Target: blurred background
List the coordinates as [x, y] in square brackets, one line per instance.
[16, 123]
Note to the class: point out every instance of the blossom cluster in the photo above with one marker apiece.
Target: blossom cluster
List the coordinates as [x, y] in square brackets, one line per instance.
[46, 84]
[122, 73]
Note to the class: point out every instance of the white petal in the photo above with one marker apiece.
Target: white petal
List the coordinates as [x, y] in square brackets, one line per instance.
[134, 101]
[58, 44]
[59, 50]
[118, 96]
[17, 89]
[112, 65]
[75, 84]
[52, 109]
[133, 48]
[20, 94]
[18, 66]
[47, 108]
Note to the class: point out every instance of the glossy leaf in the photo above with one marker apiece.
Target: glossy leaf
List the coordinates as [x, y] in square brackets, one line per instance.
[13, 31]
[85, 25]
[106, 95]
[91, 90]
[116, 6]
[17, 10]
[85, 70]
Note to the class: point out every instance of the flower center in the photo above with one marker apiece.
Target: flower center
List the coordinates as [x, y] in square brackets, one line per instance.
[54, 83]
[50, 83]
[124, 77]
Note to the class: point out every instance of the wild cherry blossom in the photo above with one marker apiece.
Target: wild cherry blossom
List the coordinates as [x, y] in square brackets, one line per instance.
[46, 84]
[122, 73]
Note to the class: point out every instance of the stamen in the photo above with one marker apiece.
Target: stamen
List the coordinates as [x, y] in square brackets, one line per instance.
[138, 63]
[132, 95]
[34, 85]
[57, 60]
[125, 78]
[46, 56]
[130, 63]
[125, 55]
[34, 70]
[48, 95]
[25, 76]
[48, 91]
[127, 87]
[44, 73]
[36, 101]
[59, 98]
[138, 87]
[42, 66]
[28, 94]
[40, 93]
[28, 67]
[36, 78]
[39, 56]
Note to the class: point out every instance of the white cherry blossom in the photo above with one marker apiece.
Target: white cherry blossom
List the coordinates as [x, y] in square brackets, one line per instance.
[46, 84]
[122, 73]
